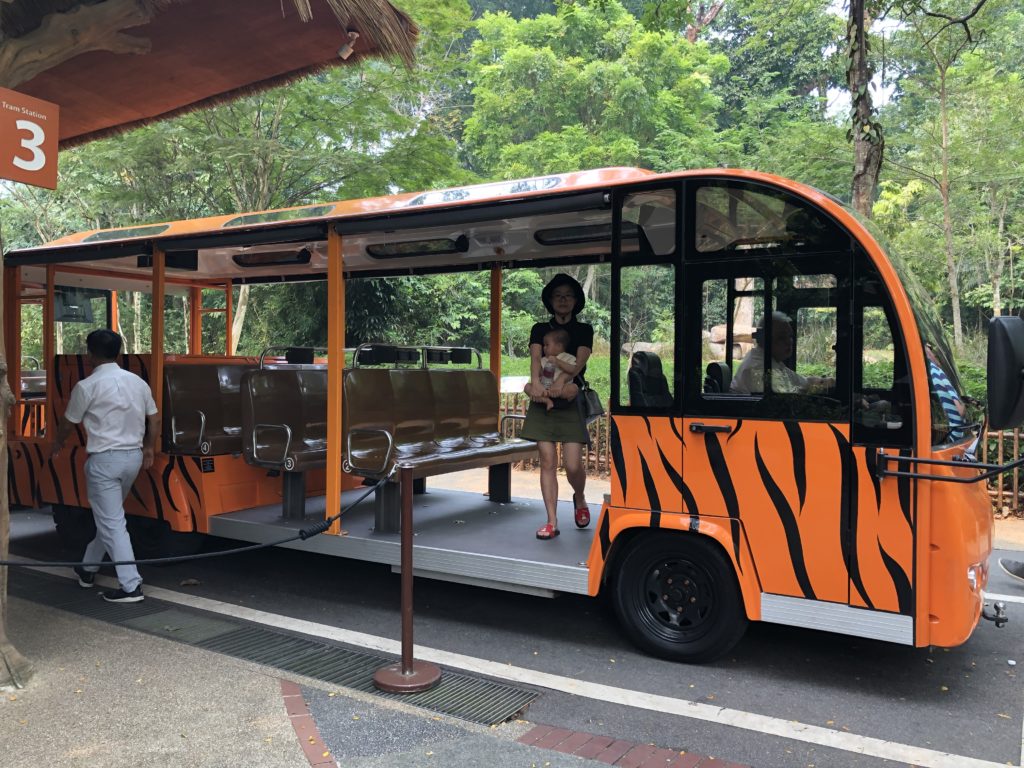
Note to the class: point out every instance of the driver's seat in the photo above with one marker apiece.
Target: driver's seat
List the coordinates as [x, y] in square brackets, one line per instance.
[648, 387]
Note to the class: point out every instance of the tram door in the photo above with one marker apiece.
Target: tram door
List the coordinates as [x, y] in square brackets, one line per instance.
[646, 439]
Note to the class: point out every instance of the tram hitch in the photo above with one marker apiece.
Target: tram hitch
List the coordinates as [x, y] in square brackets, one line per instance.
[996, 613]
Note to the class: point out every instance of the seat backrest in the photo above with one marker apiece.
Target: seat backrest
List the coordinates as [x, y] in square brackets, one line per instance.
[483, 402]
[312, 384]
[413, 407]
[647, 384]
[451, 405]
[718, 378]
[270, 397]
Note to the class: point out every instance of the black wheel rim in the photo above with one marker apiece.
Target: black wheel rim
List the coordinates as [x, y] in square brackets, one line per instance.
[675, 601]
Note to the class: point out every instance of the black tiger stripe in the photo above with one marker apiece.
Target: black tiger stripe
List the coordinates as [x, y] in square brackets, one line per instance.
[848, 501]
[676, 432]
[735, 431]
[789, 525]
[74, 478]
[618, 459]
[653, 500]
[799, 451]
[904, 594]
[903, 489]
[33, 486]
[12, 478]
[53, 473]
[870, 462]
[185, 473]
[166, 477]
[666, 465]
[721, 472]
[690, 505]
[156, 494]
[604, 535]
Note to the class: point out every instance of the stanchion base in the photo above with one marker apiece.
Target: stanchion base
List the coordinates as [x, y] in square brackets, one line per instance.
[422, 677]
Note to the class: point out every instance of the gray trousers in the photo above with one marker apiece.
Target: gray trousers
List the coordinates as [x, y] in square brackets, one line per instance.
[109, 476]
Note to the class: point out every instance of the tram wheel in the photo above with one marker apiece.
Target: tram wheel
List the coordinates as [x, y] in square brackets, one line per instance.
[153, 538]
[75, 528]
[676, 597]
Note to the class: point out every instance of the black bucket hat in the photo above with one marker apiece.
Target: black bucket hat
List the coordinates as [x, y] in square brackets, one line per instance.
[563, 279]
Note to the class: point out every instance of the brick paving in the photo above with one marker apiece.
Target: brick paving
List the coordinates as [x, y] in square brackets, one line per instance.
[617, 752]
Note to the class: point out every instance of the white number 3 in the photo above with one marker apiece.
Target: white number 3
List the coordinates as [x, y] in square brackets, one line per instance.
[38, 136]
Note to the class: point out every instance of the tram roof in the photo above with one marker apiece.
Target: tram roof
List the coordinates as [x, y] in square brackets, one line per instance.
[440, 230]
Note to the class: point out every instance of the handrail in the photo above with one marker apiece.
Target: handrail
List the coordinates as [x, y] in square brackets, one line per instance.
[285, 347]
[987, 470]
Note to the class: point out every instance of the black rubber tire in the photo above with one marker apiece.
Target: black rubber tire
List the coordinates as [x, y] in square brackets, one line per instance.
[153, 538]
[695, 576]
[75, 529]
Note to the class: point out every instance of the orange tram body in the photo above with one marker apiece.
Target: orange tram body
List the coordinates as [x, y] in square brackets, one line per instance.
[849, 507]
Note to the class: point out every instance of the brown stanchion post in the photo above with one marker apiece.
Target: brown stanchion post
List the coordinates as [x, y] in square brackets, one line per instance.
[408, 676]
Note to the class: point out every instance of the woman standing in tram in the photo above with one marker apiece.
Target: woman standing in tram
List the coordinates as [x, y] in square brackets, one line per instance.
[563, 297]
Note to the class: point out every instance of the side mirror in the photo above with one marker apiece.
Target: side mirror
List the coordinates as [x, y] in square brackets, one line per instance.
[1005, 372]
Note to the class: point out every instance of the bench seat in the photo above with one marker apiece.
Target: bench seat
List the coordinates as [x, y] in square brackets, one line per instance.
[434, 421]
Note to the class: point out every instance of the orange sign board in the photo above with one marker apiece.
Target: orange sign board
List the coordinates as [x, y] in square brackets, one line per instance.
[28, 139]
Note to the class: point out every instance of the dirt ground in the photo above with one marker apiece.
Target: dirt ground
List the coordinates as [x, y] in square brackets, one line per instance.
[1009, 532]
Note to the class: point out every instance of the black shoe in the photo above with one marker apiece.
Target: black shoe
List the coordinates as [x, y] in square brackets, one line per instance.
[1014, 568]
[85, 578]
[120, 596]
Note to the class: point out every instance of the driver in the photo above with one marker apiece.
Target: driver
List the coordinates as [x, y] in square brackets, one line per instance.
[749, 378]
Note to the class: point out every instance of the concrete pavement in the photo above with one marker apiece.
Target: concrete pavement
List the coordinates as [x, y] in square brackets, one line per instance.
[105, 695]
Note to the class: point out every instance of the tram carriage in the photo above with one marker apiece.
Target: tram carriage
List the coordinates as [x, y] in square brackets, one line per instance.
[854, 509]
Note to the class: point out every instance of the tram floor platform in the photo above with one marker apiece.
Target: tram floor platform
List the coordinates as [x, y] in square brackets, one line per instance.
[459, 536]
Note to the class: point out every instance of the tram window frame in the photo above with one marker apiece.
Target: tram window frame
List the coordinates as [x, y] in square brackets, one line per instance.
[646, 253]
[832, 406]
[869, 425]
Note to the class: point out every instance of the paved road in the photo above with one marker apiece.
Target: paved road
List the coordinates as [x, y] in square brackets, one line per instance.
[966, 701]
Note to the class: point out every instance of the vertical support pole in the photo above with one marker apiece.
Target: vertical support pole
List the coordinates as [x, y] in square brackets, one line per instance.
[496, 324]
[156, 364]
[49, 422]
[408, 676]
[115, 313]
[335, 372]
[195, 321]
[229, 317]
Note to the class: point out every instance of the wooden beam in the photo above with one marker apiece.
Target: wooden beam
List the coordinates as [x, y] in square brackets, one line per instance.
[63, 36]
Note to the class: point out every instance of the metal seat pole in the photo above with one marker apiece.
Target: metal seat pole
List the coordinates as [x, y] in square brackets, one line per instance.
[409, 675]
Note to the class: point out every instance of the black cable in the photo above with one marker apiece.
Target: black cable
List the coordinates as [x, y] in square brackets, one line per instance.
[303, 534]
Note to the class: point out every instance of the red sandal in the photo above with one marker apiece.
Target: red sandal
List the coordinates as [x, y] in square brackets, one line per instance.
[582, 516]
[547, 531]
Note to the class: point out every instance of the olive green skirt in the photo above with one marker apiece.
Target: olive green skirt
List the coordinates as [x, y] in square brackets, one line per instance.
[559, 425]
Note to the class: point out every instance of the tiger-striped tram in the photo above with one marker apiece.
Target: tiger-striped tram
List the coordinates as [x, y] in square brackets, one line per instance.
[823, 477]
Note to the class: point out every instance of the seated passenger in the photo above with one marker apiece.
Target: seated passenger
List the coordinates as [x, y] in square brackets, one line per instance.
[749, 378]
[942, 388]
[552, 368]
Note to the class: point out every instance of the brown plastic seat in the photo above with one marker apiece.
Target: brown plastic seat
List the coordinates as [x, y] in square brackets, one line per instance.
[284, 416]
[203, 408]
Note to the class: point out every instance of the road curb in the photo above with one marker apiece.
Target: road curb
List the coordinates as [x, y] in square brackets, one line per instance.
[312, 744]
[625, 754]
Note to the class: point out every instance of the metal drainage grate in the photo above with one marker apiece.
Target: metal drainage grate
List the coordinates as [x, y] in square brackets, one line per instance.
[469, 698]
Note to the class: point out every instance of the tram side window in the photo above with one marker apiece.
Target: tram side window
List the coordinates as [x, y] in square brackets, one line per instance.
[647, 321]
[881, 382]
[769, 347]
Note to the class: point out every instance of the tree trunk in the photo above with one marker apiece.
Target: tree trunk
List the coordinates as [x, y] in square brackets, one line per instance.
[865, 133]
[947, 216]
[15, 669]
[239, 316]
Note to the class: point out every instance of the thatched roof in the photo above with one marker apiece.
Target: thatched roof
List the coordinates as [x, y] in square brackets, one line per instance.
[122, 63]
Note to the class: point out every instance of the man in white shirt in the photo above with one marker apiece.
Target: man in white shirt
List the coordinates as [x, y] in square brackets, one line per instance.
[749, 378]
[121, 424]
